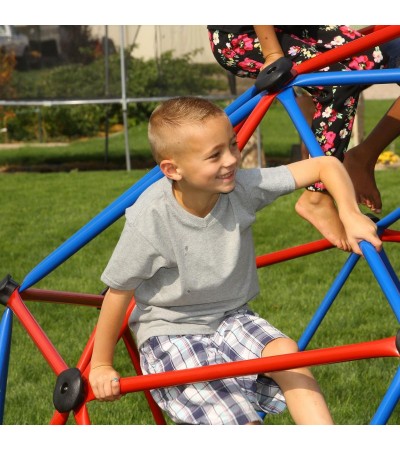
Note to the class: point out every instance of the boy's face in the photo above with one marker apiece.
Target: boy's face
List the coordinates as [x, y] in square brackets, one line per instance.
[208, 157]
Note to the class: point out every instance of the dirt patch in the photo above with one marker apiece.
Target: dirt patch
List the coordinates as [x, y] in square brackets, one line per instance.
[16, 145]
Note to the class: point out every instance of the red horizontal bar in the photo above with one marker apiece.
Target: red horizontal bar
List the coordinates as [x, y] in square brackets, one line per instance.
[293, 252]
[322, 60]
[371, 28]
[261, 261]
[391, 236]
[311, 247]
[366, 350]
[62, 297]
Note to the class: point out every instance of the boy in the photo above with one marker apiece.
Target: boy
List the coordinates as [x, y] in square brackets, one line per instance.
[186, 253]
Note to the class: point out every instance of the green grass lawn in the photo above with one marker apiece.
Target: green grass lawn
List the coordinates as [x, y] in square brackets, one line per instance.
[40, 211]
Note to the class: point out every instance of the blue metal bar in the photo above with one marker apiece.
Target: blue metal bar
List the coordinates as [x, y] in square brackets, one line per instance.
[5, 346]
[383, 277]
[344, 273]
[345, 77]
[389, 402]
[390, 269]
[328, 300]
[244, 111]
[241, 100]
[99, 223]
[390, 219]
[288, 100]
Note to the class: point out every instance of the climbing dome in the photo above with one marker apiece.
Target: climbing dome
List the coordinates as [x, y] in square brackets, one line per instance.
[72, 392]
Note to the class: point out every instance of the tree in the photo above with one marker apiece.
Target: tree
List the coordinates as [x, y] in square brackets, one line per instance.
[77, 43]
[7, 66]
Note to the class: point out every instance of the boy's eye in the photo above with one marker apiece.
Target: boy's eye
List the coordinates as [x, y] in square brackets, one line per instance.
[214, 155]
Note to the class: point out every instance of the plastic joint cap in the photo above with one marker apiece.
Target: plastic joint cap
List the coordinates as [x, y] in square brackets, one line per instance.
[273, 77]
[7, 287]
[69, 391]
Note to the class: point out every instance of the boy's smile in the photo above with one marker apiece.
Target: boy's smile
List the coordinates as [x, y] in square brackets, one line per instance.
[228, 177]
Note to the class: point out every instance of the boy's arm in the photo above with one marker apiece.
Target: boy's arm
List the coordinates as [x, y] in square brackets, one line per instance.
[102, 374]
[331, 172]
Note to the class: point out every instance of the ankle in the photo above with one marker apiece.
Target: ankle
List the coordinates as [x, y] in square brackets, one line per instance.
[317, 198]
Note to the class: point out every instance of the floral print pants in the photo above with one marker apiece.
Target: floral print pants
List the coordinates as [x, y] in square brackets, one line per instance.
[335, 106]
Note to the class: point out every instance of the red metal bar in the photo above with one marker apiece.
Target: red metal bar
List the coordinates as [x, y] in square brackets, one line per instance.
[293, 252]
[378, 36]
[366, 350]
[253, 120]
[82, 416]
[134, 355]
[38, 336]
[84, 361]
[59, 418]
[73, 298]
[371, 28]
[239, 126]
[391, 236]
[263, 260]
[311, 247]
[86, 355]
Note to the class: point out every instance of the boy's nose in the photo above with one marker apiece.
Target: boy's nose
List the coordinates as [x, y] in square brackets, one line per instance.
[231, 158]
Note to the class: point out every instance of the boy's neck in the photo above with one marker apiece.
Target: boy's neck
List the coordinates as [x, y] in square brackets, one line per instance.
[199, 205]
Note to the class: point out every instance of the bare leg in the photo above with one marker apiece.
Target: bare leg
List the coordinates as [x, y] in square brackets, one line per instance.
[303, 396]
[360, 160]
[320, 210]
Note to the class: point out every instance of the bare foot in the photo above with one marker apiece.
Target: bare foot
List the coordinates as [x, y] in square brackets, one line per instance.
[319, 209]
[362, 174]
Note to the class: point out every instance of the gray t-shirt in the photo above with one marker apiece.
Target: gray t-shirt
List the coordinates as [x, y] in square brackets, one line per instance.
[188, 272]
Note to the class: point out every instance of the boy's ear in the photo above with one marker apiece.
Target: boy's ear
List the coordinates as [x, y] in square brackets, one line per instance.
[169, 169]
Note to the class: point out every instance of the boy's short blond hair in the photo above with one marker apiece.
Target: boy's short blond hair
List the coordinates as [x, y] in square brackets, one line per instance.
[170, 116]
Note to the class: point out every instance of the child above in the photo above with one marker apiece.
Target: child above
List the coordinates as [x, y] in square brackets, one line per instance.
[245, 50]
[186, 254]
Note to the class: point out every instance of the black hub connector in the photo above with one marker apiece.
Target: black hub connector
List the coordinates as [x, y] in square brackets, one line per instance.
[69, 391]
[273, 77]
[398, 341]
[7, 287]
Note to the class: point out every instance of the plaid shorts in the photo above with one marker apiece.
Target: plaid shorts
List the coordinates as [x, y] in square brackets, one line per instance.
[230, 401]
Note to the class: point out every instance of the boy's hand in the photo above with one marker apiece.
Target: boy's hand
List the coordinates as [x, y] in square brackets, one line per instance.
[361, 228]
[104, 381]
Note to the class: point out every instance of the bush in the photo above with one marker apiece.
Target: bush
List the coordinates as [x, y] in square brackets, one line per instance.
[167, 76]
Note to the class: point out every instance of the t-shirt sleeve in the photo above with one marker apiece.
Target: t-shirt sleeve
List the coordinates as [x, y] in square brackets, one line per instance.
[133, 260]
[263, 186]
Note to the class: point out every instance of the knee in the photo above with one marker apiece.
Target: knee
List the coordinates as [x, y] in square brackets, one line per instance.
[280, 346]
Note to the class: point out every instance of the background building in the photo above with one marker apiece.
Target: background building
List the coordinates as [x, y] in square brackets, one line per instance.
[149, 41]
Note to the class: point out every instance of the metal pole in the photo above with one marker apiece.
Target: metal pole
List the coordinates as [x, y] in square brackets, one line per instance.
[123, 98]
[259, 147]
[106, 89]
